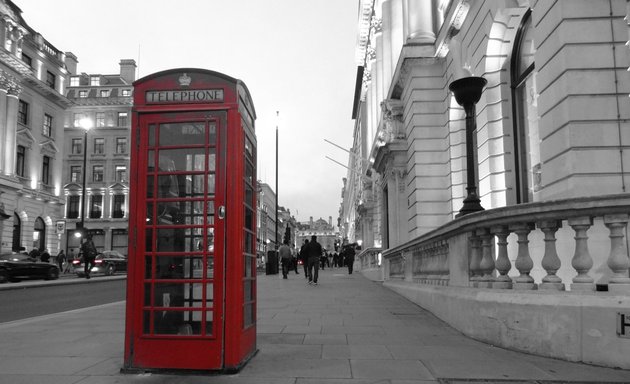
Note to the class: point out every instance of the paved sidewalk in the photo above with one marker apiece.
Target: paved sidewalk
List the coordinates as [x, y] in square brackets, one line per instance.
[347, 330]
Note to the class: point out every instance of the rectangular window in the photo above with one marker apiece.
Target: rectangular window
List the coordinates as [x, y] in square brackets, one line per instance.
[83, 94]
[95, 80]
[20, 160]
[75, 81]
[126, 92]
[121, 145]
[100, 119]
[121, 173]
[99, 145]
[27, 60]
[23, 112]
[98, 173]
[75, 174]
[96, 207]
[73, 207]
[104, 92]
[77, 146]
[122, 119]
[46, 170]
[119, 207]
[51, 79]
[47, 127]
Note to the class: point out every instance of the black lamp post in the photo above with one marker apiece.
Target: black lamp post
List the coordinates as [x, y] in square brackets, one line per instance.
[276, 232]
[467, 93]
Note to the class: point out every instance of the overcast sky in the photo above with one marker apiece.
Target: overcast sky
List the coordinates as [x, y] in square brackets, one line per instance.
[295, 56]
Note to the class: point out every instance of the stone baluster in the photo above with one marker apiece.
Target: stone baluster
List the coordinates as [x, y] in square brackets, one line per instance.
[487, 259]
[524, 262]
[551, 261]
[503, 265]
[475, 260]
[618, 261]
[582, 261]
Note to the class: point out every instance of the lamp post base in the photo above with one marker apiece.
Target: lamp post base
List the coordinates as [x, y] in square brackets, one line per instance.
[471, 204]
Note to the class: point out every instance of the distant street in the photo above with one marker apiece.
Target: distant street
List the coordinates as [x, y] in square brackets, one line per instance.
[33, 301]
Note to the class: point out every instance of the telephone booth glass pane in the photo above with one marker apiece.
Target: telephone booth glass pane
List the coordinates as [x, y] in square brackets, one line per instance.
[179, 260]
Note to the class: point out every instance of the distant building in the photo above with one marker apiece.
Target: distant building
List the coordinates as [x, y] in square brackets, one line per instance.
[103, 102]
[33, 77]
[327, 234]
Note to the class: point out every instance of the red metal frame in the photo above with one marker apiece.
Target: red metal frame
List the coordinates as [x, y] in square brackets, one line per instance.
[189, 268]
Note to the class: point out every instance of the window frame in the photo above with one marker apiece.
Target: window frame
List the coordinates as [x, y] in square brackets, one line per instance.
[23, 111]
[73, 207]
[46, 163]
[98, 173]
[20, 161]
[96, 207]
[121, 145]
[47, 126]
[518, 77]
[99, 146]
[51, 79]
[75, 173]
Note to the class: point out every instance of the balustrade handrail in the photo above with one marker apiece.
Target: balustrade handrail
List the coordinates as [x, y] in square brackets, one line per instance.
[528, 212]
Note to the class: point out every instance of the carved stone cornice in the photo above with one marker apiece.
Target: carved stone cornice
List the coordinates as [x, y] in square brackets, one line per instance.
[405, 69]
[377, 25]
[392, 128]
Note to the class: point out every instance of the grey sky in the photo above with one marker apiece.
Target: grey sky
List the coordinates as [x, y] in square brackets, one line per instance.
[296, 57]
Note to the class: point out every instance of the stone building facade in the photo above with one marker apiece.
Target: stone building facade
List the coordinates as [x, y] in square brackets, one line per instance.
[552, 121]
[33, 76]
[102, 105]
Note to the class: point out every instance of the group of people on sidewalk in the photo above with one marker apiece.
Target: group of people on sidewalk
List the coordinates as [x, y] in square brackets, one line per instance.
[311, 254]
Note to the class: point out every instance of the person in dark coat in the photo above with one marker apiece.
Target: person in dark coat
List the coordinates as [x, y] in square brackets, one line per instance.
[45, 257]
[314, 251]
[349, 257]
[88, 249]
[304, 257]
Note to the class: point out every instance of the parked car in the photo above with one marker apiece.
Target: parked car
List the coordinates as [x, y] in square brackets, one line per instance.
[18, 266]
[107, 263]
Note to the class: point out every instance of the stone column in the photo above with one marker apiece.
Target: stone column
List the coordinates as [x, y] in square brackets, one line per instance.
[582, 261]
[486, 265]
[551, 261]
[502, 264]
[11, 128]
[420, 22]
[397, 28]
[386, 51]
[475, 260]
[524, 262]
[618, 260]
[377, 26]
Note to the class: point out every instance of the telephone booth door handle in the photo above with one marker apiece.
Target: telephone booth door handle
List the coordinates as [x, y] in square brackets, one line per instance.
[222, 212]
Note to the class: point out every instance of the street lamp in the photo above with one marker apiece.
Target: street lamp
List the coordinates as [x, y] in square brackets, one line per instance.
[277, 114]
[86, 124]
[467, 92]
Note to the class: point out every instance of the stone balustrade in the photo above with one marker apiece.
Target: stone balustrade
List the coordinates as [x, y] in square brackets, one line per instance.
[548, 278]
[493, 248]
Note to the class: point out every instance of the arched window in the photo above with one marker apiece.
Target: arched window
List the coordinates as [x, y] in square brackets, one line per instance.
[525, 108]
[39, 234]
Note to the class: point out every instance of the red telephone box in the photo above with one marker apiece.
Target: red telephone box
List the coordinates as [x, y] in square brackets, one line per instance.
[191, 285]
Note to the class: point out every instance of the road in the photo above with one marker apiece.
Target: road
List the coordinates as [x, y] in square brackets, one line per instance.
[39, 300]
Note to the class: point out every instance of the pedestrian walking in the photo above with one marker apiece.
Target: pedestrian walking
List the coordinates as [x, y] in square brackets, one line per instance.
[285, 259]
[304, 257]
[349, 257]
[88, 249]
[61, 259]
[314, 251]
[34, 254]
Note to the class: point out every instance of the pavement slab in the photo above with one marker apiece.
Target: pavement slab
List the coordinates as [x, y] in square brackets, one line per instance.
[346, 330]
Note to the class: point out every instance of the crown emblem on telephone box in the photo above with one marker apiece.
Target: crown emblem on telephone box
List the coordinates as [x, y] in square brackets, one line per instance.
[184, 80]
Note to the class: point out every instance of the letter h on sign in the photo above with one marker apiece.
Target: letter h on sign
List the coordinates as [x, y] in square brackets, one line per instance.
[623, 325]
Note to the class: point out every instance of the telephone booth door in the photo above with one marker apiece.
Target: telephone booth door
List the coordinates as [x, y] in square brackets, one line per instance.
[183, 235]
[186, 304]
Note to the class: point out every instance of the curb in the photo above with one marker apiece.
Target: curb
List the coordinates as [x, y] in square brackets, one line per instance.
[61, 281]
